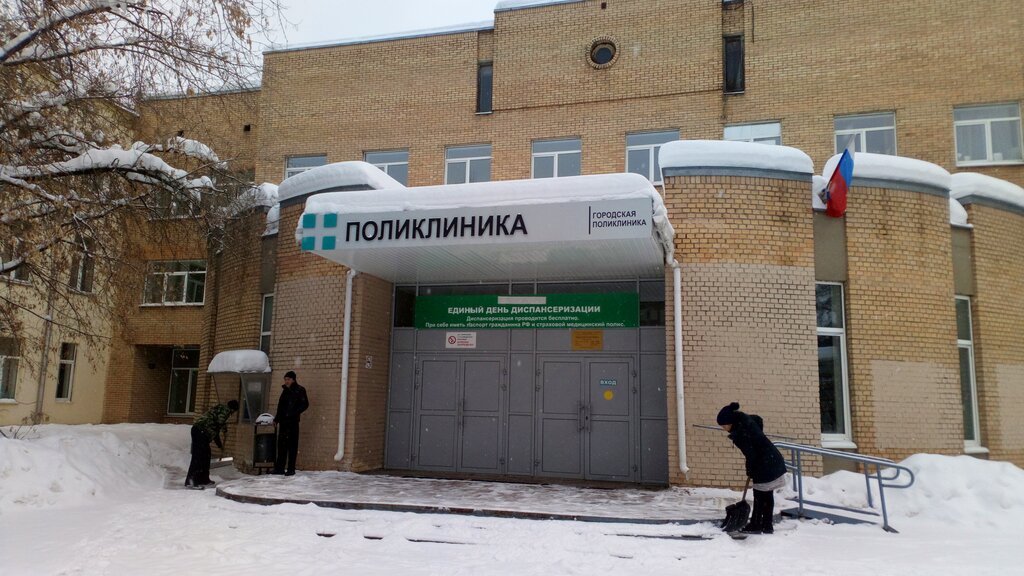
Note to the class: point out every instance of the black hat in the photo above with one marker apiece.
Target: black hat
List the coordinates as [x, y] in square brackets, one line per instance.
[727, 415]
[290, 374]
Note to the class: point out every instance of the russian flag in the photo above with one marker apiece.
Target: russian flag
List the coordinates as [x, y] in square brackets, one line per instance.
[839, 185]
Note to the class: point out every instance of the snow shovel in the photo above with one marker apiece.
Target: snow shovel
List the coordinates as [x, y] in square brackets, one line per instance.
[736, 515]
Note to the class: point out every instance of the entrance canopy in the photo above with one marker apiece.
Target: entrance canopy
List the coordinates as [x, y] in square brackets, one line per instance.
[603, 226]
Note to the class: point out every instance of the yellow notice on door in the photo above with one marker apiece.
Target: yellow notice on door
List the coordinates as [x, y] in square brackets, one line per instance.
[588, 339]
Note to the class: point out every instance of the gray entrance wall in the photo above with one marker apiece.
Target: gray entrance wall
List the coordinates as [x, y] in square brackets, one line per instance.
[523, 403]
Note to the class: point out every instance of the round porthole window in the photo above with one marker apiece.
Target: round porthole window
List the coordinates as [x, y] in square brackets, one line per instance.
[603, 53]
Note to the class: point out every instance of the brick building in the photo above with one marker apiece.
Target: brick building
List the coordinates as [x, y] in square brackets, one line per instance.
[566, 88]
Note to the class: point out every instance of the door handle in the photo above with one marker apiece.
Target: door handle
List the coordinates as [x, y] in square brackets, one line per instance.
[586, 416]
[582, 423]
[460, 413]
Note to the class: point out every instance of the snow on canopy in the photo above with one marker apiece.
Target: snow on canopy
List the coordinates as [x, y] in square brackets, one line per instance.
[818, 184]
[264, 195]
[240, 361]
[506, 5]
[897, 168]
[973, 184]
[499, 193]
[728, 154]
[957, 214]
[273, 220]
[333, 176]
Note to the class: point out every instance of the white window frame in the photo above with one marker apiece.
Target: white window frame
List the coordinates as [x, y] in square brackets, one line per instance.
[757, 132]
[465, 160]
[844, 439]
[861, 133]
[192, 388]
[5, 362]
[555, 155]
[263, 312]
[290, 171]
[652, 149]
[987, 122]
[184, 274]
[82, 260]
[385, 167]
[970, 445]
[68, 365]
[20, 274]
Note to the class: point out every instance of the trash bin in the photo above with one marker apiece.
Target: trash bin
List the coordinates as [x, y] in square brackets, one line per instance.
[264, 447]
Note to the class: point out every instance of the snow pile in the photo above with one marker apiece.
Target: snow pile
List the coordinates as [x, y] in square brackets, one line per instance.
[62, 466]
[885, 167]
[262, 195]
[971, 184]
[273, 220]
[333, 176]
[728, 154]
[818, 185]
[247, 361]
[957, 490]
[957, 214]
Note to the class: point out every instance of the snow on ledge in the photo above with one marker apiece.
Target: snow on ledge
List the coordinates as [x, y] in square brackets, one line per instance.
[957, 214]
[337, 175]
[869, 166]
[507, 5]
[818, 184]
[273, 220]
[240, 361]
[974, 184]
[408, 35]
[728, 154]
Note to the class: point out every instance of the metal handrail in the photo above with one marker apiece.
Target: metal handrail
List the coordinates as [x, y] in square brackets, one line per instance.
[796, 465]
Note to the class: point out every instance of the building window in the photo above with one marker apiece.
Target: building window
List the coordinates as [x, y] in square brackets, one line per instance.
[968, 387]
[8, 252]
[874, 133]
[299, 164]
[602, 53]
[169, 204]
[66, 371]
[9, 357]
[642, 153]
[557, 158]
[83, 268]
[181, 398]
[833, 384]
[484, 87]
[394, 163]
[732, 51]
[265, 322]
[176, 282]
[464, 164]
[987, 134]
[764, 133]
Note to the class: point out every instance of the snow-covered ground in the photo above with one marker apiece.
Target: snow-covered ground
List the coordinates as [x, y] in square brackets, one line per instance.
[105, 500]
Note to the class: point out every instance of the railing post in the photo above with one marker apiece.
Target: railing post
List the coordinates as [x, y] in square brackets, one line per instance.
[867, 482]
[881, 499]
[800, 484]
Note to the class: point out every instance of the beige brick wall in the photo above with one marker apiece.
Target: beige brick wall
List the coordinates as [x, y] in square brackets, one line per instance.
[369, 365]
[746, 247]
[901, 333]
[998, 315]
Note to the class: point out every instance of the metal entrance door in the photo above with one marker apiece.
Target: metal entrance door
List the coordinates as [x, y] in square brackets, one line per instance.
[586, 424]
[457, 412]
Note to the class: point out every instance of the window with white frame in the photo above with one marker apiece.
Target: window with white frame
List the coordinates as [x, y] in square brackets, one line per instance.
[265, 322]
[874, 133]
[299, 164]
[833, 384]
[763, 133]
[179, 282]
[557, 158]
[642, 153]
[464, 164]
[9, 251]
[83, 268]
[394, 163]
[181, 397]
[968, 386]
[66, 371]
[988, 134]
[9, 357]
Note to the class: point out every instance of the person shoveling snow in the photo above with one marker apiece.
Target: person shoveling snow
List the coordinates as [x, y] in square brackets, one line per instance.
[764, 463]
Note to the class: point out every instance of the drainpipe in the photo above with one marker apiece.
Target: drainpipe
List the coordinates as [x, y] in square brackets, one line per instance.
[37, 417]
[346, 344]
[677, 321]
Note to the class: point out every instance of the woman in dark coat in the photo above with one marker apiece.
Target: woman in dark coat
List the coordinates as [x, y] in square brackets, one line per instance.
[765, 465]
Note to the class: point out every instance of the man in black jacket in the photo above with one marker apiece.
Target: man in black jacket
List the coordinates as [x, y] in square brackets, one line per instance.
[765, 465]
[293, 402]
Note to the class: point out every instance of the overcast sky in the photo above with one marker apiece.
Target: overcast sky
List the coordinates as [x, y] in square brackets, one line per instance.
[316, 21]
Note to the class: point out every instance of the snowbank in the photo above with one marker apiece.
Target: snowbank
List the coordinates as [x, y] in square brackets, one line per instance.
[972, 184]
[247, 361]
[61, 466]
[728, 154]
[333, 176]
[897, 168]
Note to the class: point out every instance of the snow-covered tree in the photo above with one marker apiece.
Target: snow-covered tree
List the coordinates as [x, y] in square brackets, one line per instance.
[73, 177]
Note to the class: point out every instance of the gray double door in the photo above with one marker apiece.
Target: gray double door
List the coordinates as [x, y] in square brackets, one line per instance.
[567, 416]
